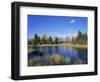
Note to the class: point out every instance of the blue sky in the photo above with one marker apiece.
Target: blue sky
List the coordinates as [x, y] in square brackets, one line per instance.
[61, 26]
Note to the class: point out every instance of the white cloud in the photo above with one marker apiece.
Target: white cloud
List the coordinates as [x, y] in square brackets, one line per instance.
[72, 21]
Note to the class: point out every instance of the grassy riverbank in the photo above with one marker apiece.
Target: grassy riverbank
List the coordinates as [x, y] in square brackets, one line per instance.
[63, 44]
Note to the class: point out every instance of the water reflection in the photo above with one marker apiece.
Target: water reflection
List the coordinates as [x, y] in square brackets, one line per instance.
[57, 56]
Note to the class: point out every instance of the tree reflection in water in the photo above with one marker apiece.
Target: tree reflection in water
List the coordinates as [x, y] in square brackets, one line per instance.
[57, 56]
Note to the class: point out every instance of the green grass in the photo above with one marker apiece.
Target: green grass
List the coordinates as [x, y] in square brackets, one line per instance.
[67, 60]
[64, 44]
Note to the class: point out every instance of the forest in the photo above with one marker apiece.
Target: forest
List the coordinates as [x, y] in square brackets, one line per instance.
[81, 38]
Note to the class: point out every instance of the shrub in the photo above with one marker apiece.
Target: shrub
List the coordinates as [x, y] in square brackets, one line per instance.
[67, 60]
[78, 62]
[36, 60]
[57, 59]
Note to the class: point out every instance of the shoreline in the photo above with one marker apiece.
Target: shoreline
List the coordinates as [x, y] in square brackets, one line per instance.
[65, 45]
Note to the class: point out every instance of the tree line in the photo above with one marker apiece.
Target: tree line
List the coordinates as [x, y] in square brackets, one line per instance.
[44, 40]
[81, 38]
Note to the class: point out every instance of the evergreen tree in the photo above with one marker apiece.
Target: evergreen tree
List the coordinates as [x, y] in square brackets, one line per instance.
[79, 37]
[50, 40]
[35, 40]
[85, 37]
[56, 40]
